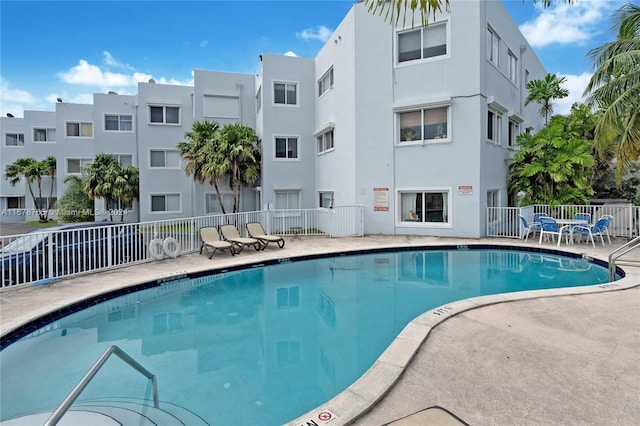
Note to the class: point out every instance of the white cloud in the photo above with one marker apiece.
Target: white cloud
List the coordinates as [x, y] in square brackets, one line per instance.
[91, 75]
[320, 32]
[569, 23]
[15, 101]
[290, 53]
[575, 84]
[110, 61]
[87, 74]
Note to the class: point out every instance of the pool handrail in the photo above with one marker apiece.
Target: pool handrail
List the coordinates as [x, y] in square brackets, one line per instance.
[621, 251]
[82, 384]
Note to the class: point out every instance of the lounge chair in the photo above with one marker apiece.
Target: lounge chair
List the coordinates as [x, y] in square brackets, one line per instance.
[230, 233]
[211, 240]
[255, 230]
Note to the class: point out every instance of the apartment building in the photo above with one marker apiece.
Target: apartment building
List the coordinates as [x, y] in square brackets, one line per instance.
[416, 124]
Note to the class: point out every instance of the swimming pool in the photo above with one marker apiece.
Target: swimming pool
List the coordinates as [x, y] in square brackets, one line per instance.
[264, 345]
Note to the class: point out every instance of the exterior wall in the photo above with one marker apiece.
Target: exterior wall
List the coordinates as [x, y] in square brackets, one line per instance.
[226, 98]
[336, 169]
[9, 155]
[288, 121]
[120, 143]
[169, 181]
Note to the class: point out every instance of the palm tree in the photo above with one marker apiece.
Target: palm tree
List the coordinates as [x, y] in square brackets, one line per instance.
[552, 167]
[32, 170]
[544, 91]
[394, 9]
[615, 89]
[100, 179]
[239, 158]
[200, 152]
[126, 186]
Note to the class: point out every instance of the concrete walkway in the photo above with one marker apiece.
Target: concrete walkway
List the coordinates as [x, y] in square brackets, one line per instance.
[547, 357]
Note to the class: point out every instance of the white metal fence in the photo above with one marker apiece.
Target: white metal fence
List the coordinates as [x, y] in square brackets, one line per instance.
[505, 221]
[53, 253]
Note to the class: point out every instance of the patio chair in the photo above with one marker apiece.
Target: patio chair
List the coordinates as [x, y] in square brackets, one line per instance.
[255, 230]
[600, 228]
[211, 240]
[549, 226]
[529, 228]
[230, 233]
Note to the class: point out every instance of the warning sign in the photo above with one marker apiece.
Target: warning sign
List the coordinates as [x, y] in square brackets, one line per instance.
[322, 418]
[465, 190]
[380, 199]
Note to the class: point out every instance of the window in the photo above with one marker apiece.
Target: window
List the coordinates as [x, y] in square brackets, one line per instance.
[15, 203]
[120, 206]
[118, 123]
[324, 141]
[14, 139]
[494, 127]
[514, 131]
[287, 200]
[427, 206]
[424, 124]
[212, 205]
[513, 68]
[493, 198]
[286, 147]
[493, 47]
[76, 165]
[425, 42]
[165, 203]
[79, 129]
[326, 199]
[164, 158]
[44, 135]
[45, 202]
[164, 114]
[123, 159]
[326, 82]
[526, 77]
[285, 93]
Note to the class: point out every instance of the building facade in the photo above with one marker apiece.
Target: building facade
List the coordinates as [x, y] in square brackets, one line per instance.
[417, 124]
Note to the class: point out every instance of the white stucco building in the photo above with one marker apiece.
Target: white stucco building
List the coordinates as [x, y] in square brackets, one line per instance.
[416, 124]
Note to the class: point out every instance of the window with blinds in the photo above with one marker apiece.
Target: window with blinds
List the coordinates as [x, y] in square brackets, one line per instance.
[424, 124]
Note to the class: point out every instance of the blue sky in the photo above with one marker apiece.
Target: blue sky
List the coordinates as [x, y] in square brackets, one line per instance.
[72, 49]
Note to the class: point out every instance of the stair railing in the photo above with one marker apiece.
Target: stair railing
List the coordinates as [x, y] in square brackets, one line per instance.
[82, 384]
[621, 251]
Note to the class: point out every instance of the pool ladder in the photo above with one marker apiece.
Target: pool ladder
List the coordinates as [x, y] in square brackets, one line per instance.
[621, 251]
[73, 395]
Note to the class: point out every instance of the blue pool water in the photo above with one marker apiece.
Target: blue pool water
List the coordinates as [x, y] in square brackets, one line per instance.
[262, 346]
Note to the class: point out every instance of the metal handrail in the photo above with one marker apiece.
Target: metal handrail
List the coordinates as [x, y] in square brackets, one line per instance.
[621, 251]
[73, 395]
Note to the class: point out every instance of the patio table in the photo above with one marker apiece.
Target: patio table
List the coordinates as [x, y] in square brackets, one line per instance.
[569, 223]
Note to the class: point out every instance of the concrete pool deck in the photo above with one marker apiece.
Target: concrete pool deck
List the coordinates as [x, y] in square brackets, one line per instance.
[521, 358]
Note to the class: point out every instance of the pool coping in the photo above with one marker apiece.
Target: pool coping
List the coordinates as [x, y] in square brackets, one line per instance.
[375, 383]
